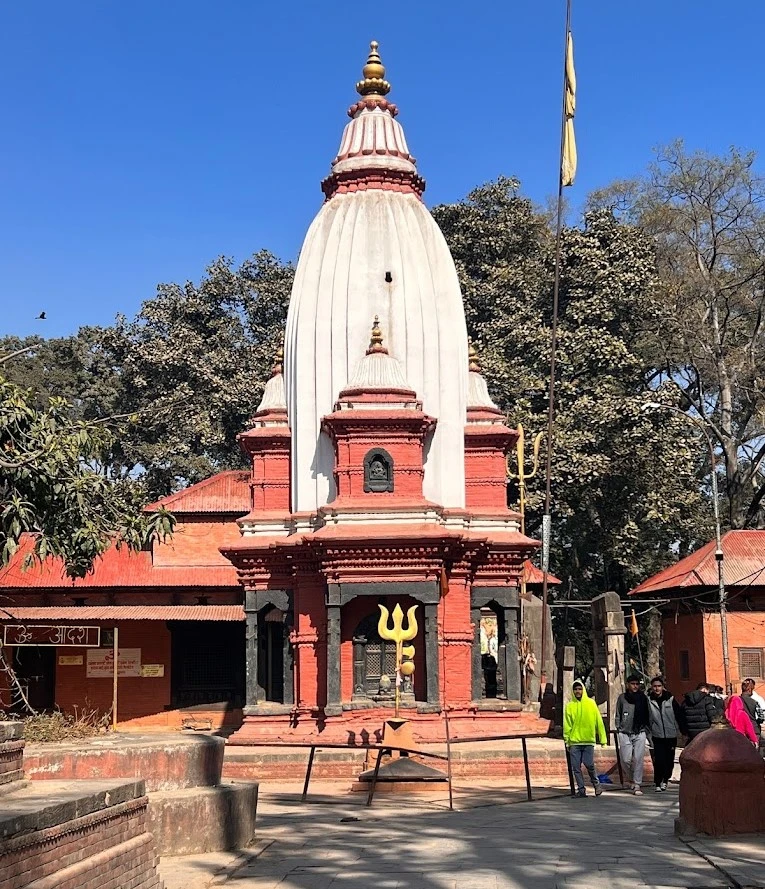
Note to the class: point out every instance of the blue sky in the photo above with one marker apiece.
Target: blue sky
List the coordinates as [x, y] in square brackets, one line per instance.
[142, 139]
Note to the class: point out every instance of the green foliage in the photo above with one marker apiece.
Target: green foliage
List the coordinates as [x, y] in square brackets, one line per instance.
[705, 215]
[52, 486]
[197, 357]
[625, 491]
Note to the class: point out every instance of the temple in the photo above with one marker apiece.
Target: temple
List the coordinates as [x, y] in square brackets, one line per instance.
[377, 477]
[379, 468]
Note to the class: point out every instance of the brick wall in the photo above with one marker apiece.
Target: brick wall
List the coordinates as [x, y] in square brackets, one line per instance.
[108, 849]
[686, 633]
[137, 696]
[701, 637]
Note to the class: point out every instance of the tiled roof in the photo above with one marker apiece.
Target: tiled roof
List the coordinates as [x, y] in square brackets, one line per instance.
[82, 613]
[226, 492]
[743, 565]
[115, 568]
[534, 575]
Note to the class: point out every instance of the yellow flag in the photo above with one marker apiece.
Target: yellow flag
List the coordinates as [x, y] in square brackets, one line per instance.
[568, 169]
[633, 625]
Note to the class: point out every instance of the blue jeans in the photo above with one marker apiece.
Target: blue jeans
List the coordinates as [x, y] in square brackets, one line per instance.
[583, 755]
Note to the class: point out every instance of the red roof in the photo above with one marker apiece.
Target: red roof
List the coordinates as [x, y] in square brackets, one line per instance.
[226, 492]
[82, 613]
[534, 575]
[115, 568]
[743, 565]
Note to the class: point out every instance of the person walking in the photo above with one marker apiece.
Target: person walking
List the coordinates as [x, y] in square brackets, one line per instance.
[666, 721]
[758, 699]
[631, 730]
[582, 729]
[753, 710]
[699, 709]
[735, 713]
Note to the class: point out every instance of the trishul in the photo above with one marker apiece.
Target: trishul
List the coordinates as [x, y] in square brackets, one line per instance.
[522, 475]
[399, 635]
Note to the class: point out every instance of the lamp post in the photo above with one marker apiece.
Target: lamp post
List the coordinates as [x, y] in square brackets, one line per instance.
[719, 555]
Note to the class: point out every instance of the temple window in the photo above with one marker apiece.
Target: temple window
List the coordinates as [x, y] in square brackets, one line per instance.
[374, 664]
[378, 471]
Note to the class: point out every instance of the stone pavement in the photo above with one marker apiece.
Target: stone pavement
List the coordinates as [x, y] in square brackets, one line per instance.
[496, 840]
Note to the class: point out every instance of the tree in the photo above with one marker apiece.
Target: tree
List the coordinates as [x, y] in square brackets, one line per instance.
[625, 488]
[193, 364]
[51, 486]
[197, 357]
[706, 216]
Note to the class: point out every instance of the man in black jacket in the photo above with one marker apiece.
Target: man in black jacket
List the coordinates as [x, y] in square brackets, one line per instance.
[700, 709]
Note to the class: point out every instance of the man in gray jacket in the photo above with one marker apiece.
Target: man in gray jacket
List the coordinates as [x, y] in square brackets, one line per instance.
[631, 730]
[666, 721]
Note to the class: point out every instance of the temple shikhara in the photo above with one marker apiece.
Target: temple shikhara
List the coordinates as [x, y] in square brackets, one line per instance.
[377, 477]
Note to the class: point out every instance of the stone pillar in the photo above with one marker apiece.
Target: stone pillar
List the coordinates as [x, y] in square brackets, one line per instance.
[288, 662]
[721, 785]
[511, 665]
[608, 632]
[567, 673]
[253, 692]
[431, 654]
[333, 706]
[475, 660]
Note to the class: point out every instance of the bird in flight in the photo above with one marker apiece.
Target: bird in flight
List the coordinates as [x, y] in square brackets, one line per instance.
[41, 317]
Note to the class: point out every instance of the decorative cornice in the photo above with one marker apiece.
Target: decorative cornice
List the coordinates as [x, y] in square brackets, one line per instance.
[350, 181]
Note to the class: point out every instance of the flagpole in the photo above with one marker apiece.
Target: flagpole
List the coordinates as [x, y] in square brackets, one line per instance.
[546, 520]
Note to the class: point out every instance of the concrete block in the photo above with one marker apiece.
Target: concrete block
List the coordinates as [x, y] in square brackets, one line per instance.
[203, 819]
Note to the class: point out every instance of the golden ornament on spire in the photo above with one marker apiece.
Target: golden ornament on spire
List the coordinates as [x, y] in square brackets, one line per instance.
[375, 344]
[278, 362]
[374, 83]
[473, 363]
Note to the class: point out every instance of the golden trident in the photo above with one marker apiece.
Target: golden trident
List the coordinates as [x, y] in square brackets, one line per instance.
[522, 474]
[399, 635]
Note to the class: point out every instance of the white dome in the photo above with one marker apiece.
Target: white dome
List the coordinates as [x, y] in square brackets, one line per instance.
[273, 394]
[478, 392]
[377, 370]
[374, 249]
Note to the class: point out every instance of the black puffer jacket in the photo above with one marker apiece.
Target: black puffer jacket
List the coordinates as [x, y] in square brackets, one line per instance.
[699, 708]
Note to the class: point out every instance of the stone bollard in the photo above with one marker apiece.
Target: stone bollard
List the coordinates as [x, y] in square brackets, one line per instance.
[722, 785]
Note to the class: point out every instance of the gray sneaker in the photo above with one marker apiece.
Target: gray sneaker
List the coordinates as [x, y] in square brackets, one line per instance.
[598, 789]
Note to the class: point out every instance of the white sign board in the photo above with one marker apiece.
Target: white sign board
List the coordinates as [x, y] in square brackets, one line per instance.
[101, 663]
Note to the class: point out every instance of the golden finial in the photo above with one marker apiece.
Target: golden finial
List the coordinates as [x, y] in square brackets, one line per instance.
[375, 344]
[473, 363]
[278, 362]
[374, 83]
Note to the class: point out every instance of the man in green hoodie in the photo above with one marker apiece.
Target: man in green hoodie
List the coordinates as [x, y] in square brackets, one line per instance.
[582, 729]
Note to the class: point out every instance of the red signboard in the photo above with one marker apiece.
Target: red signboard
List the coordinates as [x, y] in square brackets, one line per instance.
[69, 636]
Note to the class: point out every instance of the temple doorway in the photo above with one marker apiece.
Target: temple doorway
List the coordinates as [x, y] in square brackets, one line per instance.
[272, 640]
[492, 641]
[35, 668]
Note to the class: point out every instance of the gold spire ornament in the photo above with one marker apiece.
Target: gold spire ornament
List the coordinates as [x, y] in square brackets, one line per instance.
[374, 83]
[278, 364]
[474, 364]
[375, 344]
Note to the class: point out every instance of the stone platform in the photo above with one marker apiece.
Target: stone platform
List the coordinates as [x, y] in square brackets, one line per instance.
[491, 759]
[192, 808]
[73, 834]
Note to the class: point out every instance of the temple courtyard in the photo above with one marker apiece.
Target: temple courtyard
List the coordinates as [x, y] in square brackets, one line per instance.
[494, 839]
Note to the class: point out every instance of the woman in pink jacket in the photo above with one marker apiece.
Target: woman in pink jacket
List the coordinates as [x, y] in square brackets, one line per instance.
[735, 713]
